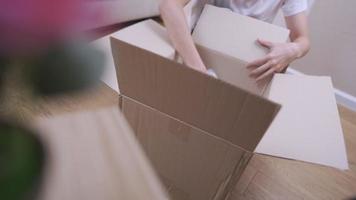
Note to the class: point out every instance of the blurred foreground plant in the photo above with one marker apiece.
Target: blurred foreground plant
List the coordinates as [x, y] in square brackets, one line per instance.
[21, 158]
[37, 49]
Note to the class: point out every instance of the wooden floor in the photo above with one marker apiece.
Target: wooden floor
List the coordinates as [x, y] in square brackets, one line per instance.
[268, 177]
[265, 177]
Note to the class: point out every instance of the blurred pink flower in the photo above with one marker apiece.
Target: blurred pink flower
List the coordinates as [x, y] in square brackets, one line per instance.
[30, 25]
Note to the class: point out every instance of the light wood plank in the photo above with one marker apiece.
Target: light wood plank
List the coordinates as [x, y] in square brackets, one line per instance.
[302, 180]
[94, 155]
[347, 115]
[261, 188]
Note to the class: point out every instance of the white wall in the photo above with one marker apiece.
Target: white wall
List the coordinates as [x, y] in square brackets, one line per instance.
[333, 46]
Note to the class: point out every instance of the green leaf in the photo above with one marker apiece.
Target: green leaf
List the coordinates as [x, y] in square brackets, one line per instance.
[22, 158]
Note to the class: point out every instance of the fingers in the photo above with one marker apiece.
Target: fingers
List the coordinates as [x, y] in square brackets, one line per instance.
[266, 74]
[265, 43]
[261, 69]
[258, 62]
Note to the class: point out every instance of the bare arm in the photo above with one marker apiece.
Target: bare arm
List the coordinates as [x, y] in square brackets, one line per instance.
[174, 19]
[282, 54]
[298, 25]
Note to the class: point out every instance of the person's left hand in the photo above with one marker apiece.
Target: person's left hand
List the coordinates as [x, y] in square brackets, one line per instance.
[279, 57]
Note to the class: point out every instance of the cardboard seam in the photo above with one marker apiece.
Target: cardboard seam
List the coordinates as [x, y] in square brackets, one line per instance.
[219, 53]
[120, 102]
[220, 192]
[240, 114]
[231, 180]
[236, 174]
[185, 123]
[118, 41]
[237, 60]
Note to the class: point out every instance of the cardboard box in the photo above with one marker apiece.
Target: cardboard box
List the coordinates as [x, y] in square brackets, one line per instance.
[308, 127]
[199, 132]
[189, 123]
[94, 155]
[192, 163]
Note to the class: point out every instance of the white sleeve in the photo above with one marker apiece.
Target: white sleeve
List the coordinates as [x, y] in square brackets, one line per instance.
[292, 7]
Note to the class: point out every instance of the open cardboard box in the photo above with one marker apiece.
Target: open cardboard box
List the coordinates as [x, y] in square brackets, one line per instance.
[199, 132]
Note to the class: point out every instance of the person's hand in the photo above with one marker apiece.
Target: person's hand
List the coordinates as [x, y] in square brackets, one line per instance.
[279, 57]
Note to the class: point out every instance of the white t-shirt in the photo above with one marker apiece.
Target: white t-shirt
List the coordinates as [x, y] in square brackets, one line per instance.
[265, 10]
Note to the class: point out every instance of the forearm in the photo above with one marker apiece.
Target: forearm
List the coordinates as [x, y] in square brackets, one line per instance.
[174, 19]
[302, 46]
[298, 24]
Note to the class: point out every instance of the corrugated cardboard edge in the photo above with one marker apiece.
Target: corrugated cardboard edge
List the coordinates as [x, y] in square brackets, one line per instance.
[204, 48]
[248, 143]
[120, 102]
[228, 185]
[122, 97]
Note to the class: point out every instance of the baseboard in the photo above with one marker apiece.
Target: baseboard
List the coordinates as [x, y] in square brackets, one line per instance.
[342, 98]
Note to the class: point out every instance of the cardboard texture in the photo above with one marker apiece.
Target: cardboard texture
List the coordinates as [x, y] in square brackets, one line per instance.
[209, 104]
[153, 34]
[181, 115]
[308, 128]
[231, 70]
[227, 42]
[308, 119]
[94, 155]
[216, 23]
[198, 131]
[187, 159]
[156, 32]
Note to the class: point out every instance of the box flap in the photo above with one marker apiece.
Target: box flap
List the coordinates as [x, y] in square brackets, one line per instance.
[308, 126]
[192, 163]
[234, 34]
[147, 34]
[150, 35]
[193, 97]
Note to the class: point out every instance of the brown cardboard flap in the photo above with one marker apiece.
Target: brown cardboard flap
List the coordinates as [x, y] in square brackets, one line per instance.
[190, 96]
[193, 164]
